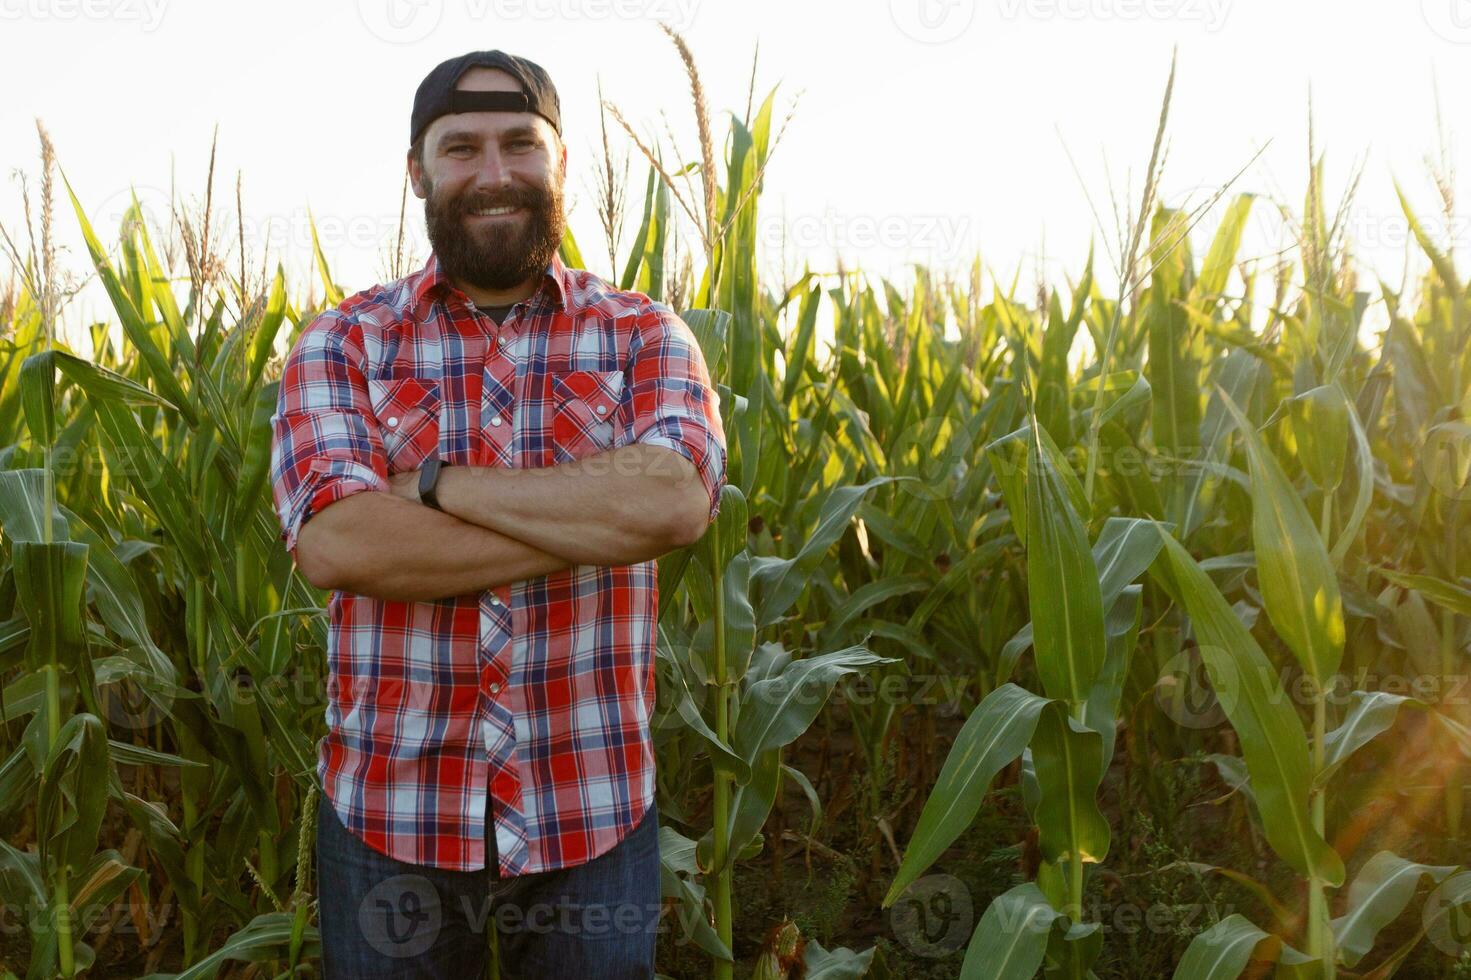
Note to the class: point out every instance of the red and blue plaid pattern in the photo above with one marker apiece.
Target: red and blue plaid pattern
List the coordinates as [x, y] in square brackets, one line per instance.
[538, 693]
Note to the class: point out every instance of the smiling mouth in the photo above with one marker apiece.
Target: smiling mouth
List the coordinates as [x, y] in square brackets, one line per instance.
[504, 212]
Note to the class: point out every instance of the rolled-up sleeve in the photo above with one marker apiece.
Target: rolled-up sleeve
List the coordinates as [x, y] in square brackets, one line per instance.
[668, 399]
[324, 439]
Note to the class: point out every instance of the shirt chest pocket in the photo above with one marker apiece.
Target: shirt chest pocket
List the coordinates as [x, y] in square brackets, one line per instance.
[408, 420]
[584, 410]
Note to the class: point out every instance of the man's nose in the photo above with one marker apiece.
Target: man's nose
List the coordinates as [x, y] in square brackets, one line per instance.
[493, 172]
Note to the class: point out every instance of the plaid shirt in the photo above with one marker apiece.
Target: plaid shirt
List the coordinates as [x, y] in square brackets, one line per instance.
[537, 693]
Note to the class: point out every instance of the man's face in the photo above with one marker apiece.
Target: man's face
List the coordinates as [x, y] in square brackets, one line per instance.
[477, 162]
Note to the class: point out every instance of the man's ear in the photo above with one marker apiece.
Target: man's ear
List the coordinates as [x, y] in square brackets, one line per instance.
[416, 175]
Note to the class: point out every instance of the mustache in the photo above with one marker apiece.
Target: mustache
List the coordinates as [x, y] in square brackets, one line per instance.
[513, 199]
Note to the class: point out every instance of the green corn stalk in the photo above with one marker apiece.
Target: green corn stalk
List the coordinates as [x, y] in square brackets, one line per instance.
[904, 497]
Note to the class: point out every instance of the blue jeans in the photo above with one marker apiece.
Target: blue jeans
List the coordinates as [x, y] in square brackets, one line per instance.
[379, 917]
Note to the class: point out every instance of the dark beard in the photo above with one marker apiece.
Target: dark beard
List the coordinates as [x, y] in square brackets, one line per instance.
[496, 258]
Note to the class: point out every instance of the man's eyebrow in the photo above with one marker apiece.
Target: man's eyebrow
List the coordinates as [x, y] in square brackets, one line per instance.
[469, 136]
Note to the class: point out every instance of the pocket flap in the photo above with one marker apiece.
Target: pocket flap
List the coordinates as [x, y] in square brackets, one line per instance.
[598, 389]
[397, 399]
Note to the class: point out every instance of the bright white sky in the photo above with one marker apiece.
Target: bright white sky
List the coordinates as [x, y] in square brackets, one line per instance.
[926, 129]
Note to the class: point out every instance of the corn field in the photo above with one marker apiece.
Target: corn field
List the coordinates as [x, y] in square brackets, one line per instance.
[1090, 635]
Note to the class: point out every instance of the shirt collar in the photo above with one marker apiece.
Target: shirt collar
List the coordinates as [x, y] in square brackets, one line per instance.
[430, 282]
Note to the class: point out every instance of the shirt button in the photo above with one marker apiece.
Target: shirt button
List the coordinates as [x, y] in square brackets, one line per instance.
[393, 420]
[496, 420]
[495, 600]
[505, 340]
[602, 409]
[495, 688]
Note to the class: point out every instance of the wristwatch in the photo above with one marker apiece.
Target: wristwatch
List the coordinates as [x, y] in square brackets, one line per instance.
[428, 480]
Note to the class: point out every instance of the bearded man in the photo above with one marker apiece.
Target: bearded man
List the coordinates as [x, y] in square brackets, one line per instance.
[481, 462]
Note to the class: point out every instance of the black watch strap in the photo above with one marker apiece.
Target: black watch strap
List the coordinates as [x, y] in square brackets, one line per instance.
[429, 481]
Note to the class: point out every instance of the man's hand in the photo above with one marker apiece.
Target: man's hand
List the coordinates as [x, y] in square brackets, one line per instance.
[623, 506]
[375, 545]
[616, 508]
[405, 485]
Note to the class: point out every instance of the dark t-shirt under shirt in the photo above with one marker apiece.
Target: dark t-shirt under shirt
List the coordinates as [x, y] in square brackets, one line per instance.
[496, 313]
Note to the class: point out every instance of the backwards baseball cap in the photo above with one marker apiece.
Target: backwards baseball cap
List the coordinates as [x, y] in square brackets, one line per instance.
[437, 95]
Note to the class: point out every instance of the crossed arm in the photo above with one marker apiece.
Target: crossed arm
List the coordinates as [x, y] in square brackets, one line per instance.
[502, 525]
[355, 528]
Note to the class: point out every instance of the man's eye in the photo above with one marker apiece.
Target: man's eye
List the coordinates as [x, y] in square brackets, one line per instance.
[522, 143]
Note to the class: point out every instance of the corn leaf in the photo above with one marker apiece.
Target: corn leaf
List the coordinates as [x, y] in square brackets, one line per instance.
[1298, 583]
[996, 732]
[1062, 586]
[1271, 735]
[1222, 951]
[1010, 941]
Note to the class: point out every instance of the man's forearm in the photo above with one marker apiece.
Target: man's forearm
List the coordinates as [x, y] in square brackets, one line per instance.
[380, 545]
[619, 507]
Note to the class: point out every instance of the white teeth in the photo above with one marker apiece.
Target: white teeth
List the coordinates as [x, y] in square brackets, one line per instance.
[484, 211]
